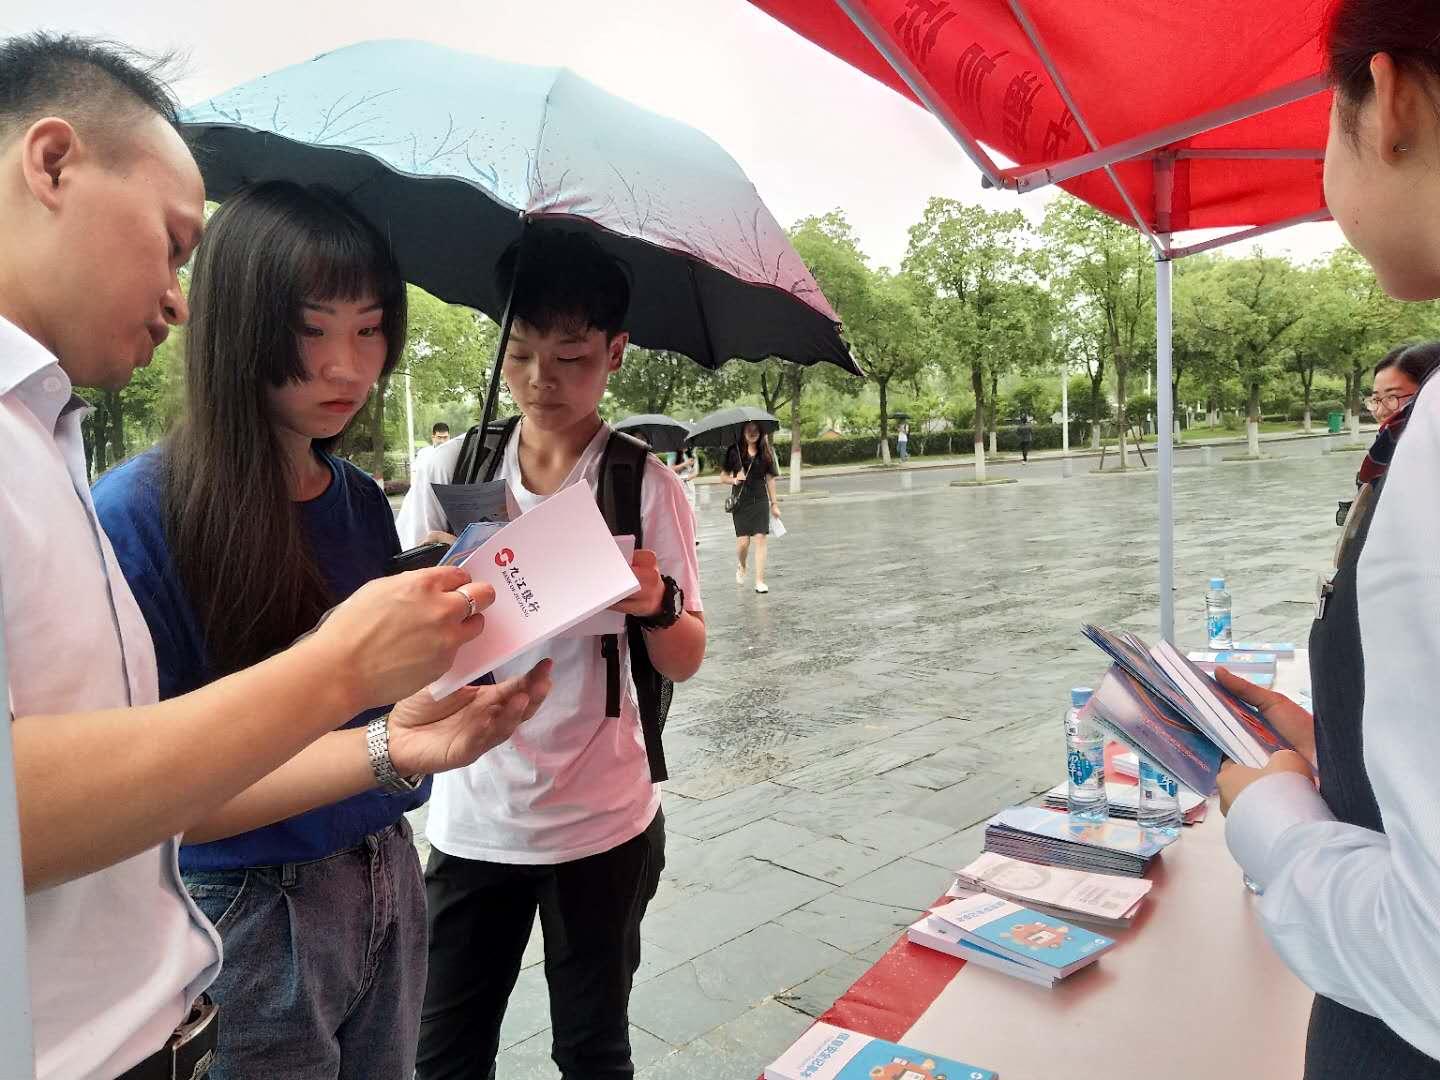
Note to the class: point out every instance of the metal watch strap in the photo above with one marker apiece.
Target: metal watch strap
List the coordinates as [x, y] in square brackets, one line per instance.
[377, 740]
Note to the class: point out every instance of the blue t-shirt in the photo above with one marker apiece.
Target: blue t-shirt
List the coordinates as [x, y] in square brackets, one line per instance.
[351, 530]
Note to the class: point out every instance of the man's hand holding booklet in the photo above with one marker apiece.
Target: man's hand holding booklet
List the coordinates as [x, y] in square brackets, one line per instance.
[551, 568]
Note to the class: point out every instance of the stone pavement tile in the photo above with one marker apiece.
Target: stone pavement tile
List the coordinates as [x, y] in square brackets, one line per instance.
[833, 773]
[534, 948]
[669, 894]
[702, 862]
[530, 1060]
[895, 833]
[832, 860]
[959, 849]
[880, 946]
[760, 1035]
[655, 961]
[904, 883]
[936, 771]
[721, 985]
[849, 923]
[817, 993]
[726, 813]
[833, 813]
[976, 799]
[751, 894]
[528, 1010]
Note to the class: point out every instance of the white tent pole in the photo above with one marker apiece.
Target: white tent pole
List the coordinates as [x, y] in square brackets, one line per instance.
[1047, 61]
[17, 1053]
[1028, 179]
[1165, 437]
[920, 86]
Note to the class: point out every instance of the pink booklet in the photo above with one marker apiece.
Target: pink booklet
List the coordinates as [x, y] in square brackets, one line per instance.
[551, 568]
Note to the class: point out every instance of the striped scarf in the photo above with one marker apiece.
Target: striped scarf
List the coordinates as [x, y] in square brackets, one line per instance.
[1377, 459]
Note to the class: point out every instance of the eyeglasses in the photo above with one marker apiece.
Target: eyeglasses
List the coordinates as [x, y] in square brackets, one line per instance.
[1393, 400]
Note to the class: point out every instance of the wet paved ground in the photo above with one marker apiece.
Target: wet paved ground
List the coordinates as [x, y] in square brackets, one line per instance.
[904, 679]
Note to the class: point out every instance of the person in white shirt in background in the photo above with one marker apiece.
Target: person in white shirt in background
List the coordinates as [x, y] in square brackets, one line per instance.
[1350, 874]
[563, 820]
[100, 206]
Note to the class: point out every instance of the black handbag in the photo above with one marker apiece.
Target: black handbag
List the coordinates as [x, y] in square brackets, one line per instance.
[734, 500]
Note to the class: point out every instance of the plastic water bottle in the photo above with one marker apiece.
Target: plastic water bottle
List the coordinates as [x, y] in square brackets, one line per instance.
[1217, 615]
[1085, 762]
[1159, 810]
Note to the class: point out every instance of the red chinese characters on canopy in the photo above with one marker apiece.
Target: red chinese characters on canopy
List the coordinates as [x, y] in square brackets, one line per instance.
[1132, 67]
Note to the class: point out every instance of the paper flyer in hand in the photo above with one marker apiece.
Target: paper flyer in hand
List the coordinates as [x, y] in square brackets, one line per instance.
[826, 1052]
[551, 569]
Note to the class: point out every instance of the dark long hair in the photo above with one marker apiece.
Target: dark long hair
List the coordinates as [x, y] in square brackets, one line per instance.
[1408, 30]
[736, 458]
[1416, 361]
[234, 532]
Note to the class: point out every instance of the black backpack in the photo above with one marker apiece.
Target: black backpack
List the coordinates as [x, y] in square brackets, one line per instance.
[622, 472]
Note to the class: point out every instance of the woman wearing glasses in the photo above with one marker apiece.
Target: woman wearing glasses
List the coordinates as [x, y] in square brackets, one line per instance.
[1397, 381]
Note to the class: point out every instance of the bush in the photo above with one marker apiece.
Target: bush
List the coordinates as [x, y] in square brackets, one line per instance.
[1138, 407]
[863, 449]
[1319, 410]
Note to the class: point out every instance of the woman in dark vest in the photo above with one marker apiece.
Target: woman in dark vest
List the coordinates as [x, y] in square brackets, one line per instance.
[1350, 875]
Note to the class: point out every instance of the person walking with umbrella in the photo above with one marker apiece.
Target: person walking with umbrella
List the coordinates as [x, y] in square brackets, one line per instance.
[751, 472]
[1027, 437]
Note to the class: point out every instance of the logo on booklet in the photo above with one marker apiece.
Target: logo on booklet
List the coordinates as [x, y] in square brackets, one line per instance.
[520, 590]
[504, 557]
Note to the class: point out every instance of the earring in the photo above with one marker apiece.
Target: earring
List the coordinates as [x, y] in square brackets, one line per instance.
[1397, 148]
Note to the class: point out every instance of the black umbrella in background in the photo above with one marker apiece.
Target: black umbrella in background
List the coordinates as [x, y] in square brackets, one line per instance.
[664, 433]
[726, 427]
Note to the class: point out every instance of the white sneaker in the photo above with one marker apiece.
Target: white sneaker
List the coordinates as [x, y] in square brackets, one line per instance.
[761, 587]
[740, 576]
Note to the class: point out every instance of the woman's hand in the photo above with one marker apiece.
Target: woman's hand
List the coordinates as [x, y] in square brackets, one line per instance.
[1295, 725]
[396, 634]
[774, 508]
[429, 736]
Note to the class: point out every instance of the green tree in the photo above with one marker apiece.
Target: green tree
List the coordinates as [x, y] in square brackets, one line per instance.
[1248, 306]
[1106, 269]
[970, 261]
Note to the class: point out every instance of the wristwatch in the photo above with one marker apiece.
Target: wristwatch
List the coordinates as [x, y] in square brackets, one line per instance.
[377, 740]
[672, 606]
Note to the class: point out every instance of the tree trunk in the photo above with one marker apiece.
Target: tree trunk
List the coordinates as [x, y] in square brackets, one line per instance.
[993, 412]
[377, 431]
[100, 436]
[1122, 423]
[115, 405]
[977, 384]
[884, 385]
[1307, 385]
[1097, 397]
[798, 375]
[1252, 421]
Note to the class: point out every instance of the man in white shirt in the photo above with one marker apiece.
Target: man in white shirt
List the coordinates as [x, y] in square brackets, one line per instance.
[564, 819]
[100, 205]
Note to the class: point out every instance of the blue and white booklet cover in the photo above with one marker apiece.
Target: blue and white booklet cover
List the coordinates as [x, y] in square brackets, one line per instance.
[1110, 835]
[1035, 940]
[826, 1052]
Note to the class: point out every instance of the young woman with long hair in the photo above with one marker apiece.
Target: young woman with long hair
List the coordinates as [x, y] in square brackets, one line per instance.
[236, 535]
[750, 470]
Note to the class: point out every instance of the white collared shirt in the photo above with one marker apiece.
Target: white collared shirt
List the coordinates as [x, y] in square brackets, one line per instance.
[1352, 911]
[115, 957]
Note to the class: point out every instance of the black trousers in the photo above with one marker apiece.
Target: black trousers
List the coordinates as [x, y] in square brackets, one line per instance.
[480, 917]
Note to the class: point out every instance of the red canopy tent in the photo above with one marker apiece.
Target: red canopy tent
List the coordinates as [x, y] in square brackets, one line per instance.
[1168, 114]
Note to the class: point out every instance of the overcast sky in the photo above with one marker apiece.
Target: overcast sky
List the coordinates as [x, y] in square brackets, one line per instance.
[810, 132]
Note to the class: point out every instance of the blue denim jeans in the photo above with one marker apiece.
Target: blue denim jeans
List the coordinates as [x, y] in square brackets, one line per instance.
[324, 970]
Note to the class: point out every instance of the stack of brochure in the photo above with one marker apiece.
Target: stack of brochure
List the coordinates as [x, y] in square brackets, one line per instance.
[1124, 800]
[1283, 649]
[1098, 899]
[1001, 935]
[1160, 703]
[1037, 835]
[826, 1052]
[1255, 667]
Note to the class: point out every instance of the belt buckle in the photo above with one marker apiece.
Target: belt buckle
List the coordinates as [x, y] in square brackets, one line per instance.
[201, 1018]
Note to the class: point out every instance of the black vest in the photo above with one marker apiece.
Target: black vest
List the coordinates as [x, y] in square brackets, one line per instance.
[1344, 1044]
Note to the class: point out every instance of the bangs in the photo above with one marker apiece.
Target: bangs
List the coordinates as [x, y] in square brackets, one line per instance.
[341, 260]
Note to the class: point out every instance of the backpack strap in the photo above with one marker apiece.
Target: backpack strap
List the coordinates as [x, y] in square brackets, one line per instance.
[622, 474]
[482, 455]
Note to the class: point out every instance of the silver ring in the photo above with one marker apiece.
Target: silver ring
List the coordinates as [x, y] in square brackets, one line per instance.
[469, 600]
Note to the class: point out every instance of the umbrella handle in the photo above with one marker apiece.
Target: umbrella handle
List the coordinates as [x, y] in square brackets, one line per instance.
[492, 395]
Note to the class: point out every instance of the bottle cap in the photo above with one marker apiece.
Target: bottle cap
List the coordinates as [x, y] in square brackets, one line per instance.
[1217, 583]
[1079, 696]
